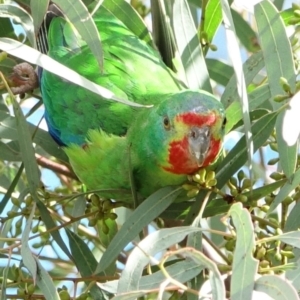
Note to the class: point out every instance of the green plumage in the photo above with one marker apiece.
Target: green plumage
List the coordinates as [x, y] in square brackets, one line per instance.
[132, 70]
[124, 141]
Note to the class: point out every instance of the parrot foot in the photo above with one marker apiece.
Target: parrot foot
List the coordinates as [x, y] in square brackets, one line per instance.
[23, 79]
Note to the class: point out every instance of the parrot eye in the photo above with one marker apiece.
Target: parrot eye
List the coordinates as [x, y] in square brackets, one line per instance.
[167, 124]
[224, 121]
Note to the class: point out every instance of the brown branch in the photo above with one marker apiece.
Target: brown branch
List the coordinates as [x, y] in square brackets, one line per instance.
[55, 167]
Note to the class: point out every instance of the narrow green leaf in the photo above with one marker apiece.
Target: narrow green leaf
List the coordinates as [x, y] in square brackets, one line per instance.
[33, 56]
[26, 254]
[8, 130]
[79, 16]
[244, 267]
[3, 284]
[276, 287]
[45, 283]
[215, 279]
[292, 238]
[189, 48]
[27, 150]
[236, 60]
[38, 11]
[151, 208]
[11, 188]
[286, 15]
[106, 238]
[162, 34]
[294, 275]
[237, 157]
[278, 57]
[278, 4]
[140, 256]
[244, 32]
[85, 261]
[182, 271]
[20, 16]
[78, 210]
[50, 224]
[293, 220]
[213, 18]
[130, 296]
[250, 69]
[285, 191]
[6, 153]
[254, 116]
[125, 12]
[6, 28]
[219, 71]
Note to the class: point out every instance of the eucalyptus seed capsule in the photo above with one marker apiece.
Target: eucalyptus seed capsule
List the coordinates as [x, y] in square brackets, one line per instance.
[276, 176]
[278, 256]
[269, 200]
[285, 84]
[210, 175]
[15, 201]
[92, 222]
[188, 187]
[30, 289]
[242, 198]
[297, 13]
[211, 183]
[213, 47]
[288, 254]
[246, 183]
[280, 98]
[241, 175]
[260, 253]
[104, 227]
[233, 181]
[288, 200]
[192, 193]
[273, 161]
[264, 263]
[95, 200]
[112, 216]
[197, 178]
[202, 173]
[264, 208]
[107, 205]
[64, 295]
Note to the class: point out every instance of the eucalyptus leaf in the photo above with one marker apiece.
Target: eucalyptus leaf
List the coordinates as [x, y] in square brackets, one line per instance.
[244, 266]
[151, 208]
[279, 62]
[276, 287]
[35, 57]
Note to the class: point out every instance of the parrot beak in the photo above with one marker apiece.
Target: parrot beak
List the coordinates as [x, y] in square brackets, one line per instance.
[199, 142]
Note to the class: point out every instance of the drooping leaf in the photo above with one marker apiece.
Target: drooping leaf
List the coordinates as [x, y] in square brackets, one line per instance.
[244, 267]
[151, 208]
[278, 57]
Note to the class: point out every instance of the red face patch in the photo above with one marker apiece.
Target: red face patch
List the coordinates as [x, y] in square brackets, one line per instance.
[182, 162]
[192, 119]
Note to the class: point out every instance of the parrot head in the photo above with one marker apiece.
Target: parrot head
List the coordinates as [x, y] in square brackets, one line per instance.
[184, 132]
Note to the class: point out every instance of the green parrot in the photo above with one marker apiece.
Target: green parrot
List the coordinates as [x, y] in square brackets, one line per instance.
[113, 145]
